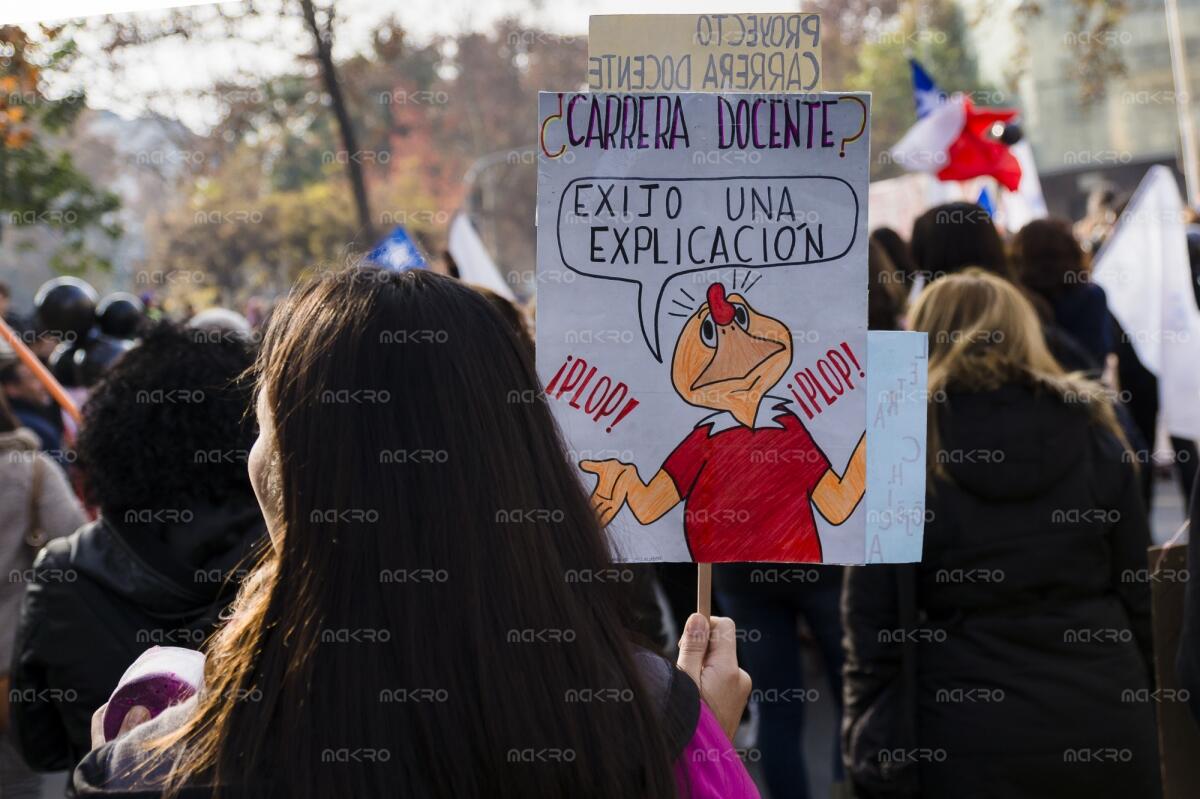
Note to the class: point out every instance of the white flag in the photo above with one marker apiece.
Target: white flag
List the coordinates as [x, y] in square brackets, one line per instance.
[1145, 272]
[475, 264]
[1019, 208]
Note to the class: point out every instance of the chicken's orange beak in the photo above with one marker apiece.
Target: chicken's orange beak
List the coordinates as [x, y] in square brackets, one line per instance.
[738, 354]
[728, 355]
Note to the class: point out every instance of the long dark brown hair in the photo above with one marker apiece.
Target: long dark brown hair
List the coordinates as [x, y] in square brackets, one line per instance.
[1047, 258]
[433, 620]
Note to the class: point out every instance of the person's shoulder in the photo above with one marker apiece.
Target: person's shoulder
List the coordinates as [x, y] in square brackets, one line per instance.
[56, 554]
[1107, 447]
[40, 426]
[1113, 465]
[60, 601]
[64, 551]
[675, 695]
[125, 766]
[1093, 296]
[54, 479]
[56, 567]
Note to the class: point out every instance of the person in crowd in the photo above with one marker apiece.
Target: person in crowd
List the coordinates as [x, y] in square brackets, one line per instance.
[36, 506]
[1103, 209]
[1187, 663]
[30, 402]
[773, 601]
[1185, 452]
[885, 292]
[1050, 263]
[512, 313]
[431, 617]
[790, 607]
[5, 301]
[898, 253]
[1193, 246]
[949, 238]
[217, 322]
[162, 448]
[1007, 653]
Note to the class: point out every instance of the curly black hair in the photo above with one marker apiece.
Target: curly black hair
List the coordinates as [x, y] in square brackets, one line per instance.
[170, 423]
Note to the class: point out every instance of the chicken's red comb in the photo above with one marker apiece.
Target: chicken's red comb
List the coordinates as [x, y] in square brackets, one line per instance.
[718, 306]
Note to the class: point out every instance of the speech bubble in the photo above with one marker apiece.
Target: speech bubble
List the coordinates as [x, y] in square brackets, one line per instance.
[650, 230]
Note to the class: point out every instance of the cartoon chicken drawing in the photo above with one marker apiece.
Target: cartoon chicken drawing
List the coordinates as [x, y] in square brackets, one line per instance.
[749, 473]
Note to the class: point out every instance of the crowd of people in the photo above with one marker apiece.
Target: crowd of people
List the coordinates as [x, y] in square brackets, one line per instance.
[319, 509]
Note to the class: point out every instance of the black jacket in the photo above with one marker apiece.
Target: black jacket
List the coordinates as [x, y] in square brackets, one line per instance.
[1188, 661]
[1033, 651]
[104, 595]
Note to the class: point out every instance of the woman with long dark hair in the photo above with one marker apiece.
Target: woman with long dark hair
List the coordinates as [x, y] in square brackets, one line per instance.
[439, 614]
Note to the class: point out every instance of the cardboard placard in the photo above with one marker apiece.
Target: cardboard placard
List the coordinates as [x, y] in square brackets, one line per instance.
[702, 286]
[769, 53]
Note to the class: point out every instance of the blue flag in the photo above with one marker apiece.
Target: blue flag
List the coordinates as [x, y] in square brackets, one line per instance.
[985, 201]
[926, 94]
[398, 252]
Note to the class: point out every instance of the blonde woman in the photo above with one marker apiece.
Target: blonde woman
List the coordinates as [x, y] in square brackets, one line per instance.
[1015, 659]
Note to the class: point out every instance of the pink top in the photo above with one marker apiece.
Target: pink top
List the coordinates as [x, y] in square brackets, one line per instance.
[709, 767]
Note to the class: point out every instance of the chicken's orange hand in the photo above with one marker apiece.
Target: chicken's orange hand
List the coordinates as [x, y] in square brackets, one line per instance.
[836, 496]
[612, 486]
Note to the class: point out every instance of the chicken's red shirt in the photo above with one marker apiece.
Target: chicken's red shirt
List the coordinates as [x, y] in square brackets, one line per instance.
[748, 491]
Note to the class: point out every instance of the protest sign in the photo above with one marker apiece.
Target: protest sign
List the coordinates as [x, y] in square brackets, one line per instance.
[702, 290]
[897, 410]
[704, 52]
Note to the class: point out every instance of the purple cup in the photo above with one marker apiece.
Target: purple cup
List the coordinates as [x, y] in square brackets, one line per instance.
[162, 676]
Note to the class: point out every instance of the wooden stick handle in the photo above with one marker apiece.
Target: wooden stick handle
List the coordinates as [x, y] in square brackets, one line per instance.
[40, 372]
[704, 589]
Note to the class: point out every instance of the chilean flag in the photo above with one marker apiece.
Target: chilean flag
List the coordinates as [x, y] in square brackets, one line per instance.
[398, 252]
[951, 138]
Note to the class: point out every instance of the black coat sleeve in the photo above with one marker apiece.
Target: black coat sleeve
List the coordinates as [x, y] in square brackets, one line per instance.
[60, 646]
[1129, 540]
[1188, 659]
[38, 729]
[870, 617]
